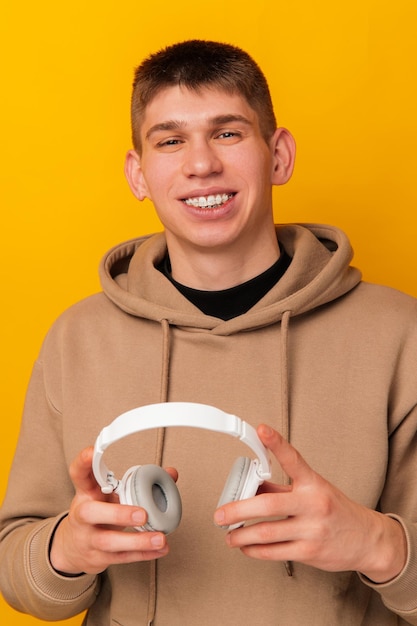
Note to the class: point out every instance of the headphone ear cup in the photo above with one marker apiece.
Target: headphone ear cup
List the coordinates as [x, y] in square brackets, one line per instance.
[236, 481]
[152, 488]
[241, 483]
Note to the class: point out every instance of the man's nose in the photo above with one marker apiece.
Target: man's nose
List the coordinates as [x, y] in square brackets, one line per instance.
[201, 160]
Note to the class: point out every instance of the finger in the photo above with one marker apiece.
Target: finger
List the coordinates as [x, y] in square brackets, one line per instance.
[172, 472]
[268, 487]
[96, 513]
[108, 547]
[135, 557]
[261, 506]
[287, 456]
[117, 542]
[101, 560]
[284, 551]
[265, 533]
[81, 473]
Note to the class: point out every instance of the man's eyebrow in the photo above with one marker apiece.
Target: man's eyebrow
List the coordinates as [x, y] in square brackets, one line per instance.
[229, 118]
[162, 126]
[218, 120]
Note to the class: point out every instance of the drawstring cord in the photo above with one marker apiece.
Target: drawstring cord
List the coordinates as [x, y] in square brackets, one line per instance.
[163, 397]
[285, 400]
[166, 353]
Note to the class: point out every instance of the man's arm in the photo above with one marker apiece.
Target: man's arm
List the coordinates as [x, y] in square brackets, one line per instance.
[37, 515]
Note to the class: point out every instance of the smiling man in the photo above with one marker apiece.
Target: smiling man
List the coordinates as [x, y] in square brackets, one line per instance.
[268, 323]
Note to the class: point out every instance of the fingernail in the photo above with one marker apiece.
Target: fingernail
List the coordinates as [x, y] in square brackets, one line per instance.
[219, 517]
[85, 455]
[157, 541]
[267, 430]
[138, 517]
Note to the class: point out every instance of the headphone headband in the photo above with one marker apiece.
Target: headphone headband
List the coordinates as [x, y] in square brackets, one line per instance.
[168, 414]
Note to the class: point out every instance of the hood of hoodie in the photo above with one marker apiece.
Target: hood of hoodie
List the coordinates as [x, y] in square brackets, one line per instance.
[319, 272]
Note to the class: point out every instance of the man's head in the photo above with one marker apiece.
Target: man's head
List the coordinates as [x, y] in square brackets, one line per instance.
[196, 65]
[207, 153]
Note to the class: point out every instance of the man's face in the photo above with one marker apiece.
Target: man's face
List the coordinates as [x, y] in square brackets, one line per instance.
[207, 169]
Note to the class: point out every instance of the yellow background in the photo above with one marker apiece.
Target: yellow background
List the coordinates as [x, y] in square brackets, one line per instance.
[343, 78]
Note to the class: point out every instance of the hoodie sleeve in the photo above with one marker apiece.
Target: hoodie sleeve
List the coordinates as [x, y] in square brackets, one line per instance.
[399, 498]
[30, 513]
[399, 594]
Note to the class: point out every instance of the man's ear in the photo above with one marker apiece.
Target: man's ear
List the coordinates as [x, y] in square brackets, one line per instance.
[134, 175]
[283, 151]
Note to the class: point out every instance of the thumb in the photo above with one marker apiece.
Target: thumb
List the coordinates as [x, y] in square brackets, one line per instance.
[287, 456]
[81, 472]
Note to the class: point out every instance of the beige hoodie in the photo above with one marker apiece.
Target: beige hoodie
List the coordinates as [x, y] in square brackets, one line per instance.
[326, 359]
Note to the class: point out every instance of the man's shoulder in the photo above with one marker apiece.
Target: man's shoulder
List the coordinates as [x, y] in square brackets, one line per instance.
[378, 301]
[385, 294]
[88, 308]
[82, 319]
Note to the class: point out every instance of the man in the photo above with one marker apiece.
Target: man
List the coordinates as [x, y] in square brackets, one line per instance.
[267, 323]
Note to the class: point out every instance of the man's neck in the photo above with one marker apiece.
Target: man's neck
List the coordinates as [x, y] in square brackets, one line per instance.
[226, 304]
[216, 270]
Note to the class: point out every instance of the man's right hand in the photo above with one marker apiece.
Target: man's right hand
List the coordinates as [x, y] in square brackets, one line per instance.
[92, 536]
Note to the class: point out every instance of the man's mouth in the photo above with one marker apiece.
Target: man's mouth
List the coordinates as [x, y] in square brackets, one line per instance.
[209, 202]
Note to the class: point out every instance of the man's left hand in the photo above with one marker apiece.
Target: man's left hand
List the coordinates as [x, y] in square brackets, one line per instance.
[313, 522]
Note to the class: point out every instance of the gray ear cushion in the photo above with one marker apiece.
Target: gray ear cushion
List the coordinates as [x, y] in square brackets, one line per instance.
[153, 489]
[235, 481]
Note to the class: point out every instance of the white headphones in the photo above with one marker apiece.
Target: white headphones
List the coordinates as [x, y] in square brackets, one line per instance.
[151, 487]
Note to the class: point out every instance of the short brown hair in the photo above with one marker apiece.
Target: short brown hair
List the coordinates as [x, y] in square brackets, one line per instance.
[195, 64]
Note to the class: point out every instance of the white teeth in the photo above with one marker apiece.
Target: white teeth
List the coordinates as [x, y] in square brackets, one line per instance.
[204, 202]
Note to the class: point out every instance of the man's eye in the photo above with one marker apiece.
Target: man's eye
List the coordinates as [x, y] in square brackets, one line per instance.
[168, 142]
[229, 134]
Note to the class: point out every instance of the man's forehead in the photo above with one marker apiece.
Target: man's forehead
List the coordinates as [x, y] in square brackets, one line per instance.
[182, 106]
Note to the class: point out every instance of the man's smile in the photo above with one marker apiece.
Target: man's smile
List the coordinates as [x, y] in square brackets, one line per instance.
[209, 202]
